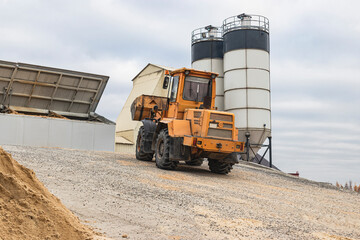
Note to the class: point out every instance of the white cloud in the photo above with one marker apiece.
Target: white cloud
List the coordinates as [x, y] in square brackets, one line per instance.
[308, 105]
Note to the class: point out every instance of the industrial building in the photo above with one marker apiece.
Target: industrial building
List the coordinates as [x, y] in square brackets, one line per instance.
[51, 107]
[148, 81]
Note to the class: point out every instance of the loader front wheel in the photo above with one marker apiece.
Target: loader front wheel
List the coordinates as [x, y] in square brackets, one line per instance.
[219, 167]
[162, 151]
[140, 141]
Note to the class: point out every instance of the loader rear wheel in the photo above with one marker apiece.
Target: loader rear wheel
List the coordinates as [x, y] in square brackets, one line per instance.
[195, 162]
[140, 141]
[162, 151]
[219, 167]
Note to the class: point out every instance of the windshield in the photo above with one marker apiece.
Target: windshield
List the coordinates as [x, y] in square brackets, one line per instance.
[196, 88]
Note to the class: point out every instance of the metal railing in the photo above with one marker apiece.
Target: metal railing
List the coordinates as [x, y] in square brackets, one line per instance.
[246, 21]
[206, 33]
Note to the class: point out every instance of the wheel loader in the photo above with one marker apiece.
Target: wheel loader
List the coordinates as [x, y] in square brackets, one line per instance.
[185, 126]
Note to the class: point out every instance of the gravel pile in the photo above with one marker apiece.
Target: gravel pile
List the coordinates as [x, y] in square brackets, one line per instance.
[126, 198]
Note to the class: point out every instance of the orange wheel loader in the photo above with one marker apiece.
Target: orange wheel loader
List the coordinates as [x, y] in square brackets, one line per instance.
[184, 126]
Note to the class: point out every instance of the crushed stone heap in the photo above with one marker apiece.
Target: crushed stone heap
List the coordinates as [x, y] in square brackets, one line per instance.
[29, 211]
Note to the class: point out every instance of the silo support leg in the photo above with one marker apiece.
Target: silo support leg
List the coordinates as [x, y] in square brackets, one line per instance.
[262, 157]
[270, 152]
[247, 148]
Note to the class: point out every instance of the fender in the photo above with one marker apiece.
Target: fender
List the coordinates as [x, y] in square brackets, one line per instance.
[149, 125]
[162, 124]
[179, 128]
[149, 128]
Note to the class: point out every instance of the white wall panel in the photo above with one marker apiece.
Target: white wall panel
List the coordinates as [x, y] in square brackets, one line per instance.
[219, 102]
[209, 65]
[235, 99]
[102, 141]
[49, 132]
[257, 118]
[240, 117]
[36, 132]
[234, 59]
[217, 66]
[83, 136]
[203, 64]
[258, 78]
[258, 98]
[11, 129]
[257, 59]
[60, 134]
[235, 79]
[124, 148]
[220, 86]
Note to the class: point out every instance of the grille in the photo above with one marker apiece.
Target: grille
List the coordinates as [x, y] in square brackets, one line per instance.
[197, 114]
[221, 117]
[227, 125]
[222, 133]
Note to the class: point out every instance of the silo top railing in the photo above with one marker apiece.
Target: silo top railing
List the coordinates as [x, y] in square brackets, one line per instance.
[246, 21]
[206, 33]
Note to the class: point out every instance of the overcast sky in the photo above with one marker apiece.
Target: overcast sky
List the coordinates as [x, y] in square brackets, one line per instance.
[315, 62]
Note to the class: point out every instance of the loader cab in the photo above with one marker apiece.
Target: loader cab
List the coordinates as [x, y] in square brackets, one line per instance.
[190, 89]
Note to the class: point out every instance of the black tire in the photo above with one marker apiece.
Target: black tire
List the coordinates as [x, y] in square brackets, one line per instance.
[140, 141]
[219, 167]
[162, 151]
[195, 162]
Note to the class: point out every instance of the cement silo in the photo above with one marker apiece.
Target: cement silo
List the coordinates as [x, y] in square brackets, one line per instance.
[207, 55]
[247, 78]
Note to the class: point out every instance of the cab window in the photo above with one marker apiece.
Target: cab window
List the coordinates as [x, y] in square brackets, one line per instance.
[196, 88]
[174, 88]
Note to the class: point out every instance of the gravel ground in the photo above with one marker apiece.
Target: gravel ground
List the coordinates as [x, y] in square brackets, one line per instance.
[126, 198]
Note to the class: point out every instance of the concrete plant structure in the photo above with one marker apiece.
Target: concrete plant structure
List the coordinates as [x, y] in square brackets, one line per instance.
[148, 81]
[241, 57]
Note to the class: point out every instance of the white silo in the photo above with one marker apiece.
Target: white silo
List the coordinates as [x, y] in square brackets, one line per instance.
[247, 78]
[207, 55]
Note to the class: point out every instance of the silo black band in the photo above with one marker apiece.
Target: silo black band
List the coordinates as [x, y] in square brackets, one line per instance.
[206, 49]
[246, 39]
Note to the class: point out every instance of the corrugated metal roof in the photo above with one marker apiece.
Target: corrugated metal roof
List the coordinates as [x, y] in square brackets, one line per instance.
[155, 65]
[39, 89]
[163, 67]
[122, 140]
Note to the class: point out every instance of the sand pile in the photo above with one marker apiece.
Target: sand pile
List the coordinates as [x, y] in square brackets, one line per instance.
[29, 211]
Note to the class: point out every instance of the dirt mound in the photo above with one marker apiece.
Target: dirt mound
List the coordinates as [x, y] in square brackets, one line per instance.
[29, 211]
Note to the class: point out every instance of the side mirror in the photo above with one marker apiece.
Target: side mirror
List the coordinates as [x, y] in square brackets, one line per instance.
[166, 82]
